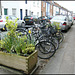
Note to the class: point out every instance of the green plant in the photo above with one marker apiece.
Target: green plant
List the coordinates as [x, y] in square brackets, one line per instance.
[56, 24]
[12, 43]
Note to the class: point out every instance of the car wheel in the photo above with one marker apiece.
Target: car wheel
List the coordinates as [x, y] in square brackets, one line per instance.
[23, 25]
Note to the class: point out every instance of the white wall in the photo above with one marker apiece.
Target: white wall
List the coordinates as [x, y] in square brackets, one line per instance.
[0, 7]
[9, 5]
[35, 8]
[54, 10]
[21, 5]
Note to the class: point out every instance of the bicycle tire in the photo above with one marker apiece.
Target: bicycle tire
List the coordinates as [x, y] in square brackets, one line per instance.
[60, 37]
[51, 39]
[41, 53]
[55, 42]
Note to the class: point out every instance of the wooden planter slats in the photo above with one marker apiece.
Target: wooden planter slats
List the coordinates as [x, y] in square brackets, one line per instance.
[25, 64]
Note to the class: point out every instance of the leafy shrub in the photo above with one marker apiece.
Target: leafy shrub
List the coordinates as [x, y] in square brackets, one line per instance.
[56, 24]
[13, 44]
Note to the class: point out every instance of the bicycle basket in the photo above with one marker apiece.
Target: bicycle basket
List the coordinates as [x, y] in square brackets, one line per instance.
[45, 31]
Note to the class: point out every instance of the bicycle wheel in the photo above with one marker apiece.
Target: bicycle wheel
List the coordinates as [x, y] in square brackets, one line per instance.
[45, 49]
[60, 37]
[55, 42]
[51, 39]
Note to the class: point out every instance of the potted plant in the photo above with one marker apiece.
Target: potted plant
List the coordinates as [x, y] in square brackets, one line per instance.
[15, 52]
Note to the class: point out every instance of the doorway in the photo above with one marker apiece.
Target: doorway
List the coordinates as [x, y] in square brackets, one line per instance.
[21, 14]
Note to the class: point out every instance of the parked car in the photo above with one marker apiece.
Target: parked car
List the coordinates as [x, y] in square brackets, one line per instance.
[10, 17]
[64, 21]
[43, 19]
[35, 18]
[50, 17]
[74, 17]
[71, 20]
[30, 20]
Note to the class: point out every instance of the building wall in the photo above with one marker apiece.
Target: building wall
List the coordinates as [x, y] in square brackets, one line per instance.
[47, 9]
[54, 10]
[57, 9]
[43, 8]
[51, 10]
[0, 7]
[10, 5]
[37, 8]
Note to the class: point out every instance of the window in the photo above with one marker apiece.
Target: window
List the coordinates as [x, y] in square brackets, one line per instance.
[34, 3]
[52, 1]
[62, 18]
[37, 14]
[5, 11]
[14, 11]
[26, 1]
[70, 18]
[51, 6]
[43, 13]
[38, 3]
[43, 4]
[30, 13]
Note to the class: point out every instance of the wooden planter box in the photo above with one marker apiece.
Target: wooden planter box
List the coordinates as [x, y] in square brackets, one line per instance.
[26, 64]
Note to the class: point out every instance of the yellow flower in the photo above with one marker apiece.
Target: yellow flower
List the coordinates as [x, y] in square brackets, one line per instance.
[3, 28]
[8, 33]
[29, 31]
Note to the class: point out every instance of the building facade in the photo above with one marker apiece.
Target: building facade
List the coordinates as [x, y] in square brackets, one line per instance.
[43, 8]
[51, 8]
[21, 8]
[36, 8]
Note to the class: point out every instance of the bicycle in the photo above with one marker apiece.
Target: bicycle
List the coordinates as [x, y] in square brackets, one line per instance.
[46, 49]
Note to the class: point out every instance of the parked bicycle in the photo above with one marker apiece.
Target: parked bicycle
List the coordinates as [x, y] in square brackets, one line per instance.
[46, 39]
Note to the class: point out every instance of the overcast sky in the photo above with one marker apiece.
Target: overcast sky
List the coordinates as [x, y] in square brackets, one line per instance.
[70, 5]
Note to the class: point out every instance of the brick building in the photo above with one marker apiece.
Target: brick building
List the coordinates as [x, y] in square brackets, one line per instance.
[46, 8]
[51, 8]
[43, 8]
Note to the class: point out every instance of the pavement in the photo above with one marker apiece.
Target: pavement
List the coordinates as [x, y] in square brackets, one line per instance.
[63, 62]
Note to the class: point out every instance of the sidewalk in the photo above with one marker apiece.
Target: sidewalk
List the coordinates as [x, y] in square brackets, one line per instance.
[63, 62]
